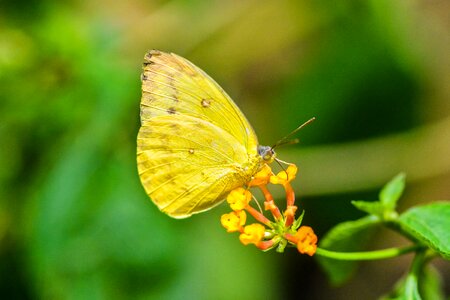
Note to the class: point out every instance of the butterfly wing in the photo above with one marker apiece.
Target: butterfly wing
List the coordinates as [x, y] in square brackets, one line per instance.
[185, 167]
[172, 84]
[194, 145]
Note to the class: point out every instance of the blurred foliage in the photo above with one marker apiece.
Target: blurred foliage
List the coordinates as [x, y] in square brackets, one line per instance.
[74, 220]
[425, 226]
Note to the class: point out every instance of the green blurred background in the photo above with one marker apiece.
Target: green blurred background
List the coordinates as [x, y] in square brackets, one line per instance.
[75, 222]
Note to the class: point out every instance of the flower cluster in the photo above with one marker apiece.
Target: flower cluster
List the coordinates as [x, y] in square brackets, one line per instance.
[285, 229]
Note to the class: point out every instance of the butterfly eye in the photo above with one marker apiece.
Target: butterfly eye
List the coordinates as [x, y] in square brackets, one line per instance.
[267, 153]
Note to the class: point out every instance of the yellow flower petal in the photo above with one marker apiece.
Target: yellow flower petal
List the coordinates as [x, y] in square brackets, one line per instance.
[239, 198]
[252, 234]
[234, 220]
[284, 177]
[262, 177]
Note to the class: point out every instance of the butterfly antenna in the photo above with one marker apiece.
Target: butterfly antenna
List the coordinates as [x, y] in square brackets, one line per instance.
[288, 142]
[284, 140]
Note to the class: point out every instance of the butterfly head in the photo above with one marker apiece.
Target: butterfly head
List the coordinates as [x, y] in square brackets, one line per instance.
[267, 153]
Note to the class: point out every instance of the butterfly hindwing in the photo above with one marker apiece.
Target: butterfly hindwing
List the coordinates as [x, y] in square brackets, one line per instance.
[184, 167]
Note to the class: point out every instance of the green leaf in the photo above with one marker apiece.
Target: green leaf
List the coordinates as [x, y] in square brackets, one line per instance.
[347, 236]
[397, 291]
[298, 221]
[389, 195]
[430, 284]
[429, 287]
[429, 224]
[411, 291]
[373, 208]
[392, 191]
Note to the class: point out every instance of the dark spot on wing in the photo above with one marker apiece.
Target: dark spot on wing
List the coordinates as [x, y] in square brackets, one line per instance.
[174, 90]
[148, 55]
[206, 102]
[171, 111]
[175, 128]
[151, 53]
[143, 77]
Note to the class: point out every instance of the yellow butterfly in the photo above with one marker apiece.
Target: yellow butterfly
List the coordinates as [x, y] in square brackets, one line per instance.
[194, 145]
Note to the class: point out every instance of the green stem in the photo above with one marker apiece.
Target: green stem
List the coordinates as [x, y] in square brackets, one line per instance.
[366, 255]
[412, 280]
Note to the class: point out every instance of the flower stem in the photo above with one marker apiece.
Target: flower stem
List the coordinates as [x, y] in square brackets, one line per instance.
[366, 255]
[269, 203]
[258, 216]
[290, 195]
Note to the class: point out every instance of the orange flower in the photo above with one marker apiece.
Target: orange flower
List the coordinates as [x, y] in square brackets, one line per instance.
[284, 177]
[252, 234]
[262, 177]
[282, 231]
[234, 220]
[290, 211]
[239, 198]
[306, 240]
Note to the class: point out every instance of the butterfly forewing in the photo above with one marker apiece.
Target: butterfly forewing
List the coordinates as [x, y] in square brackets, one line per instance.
[173, 85]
